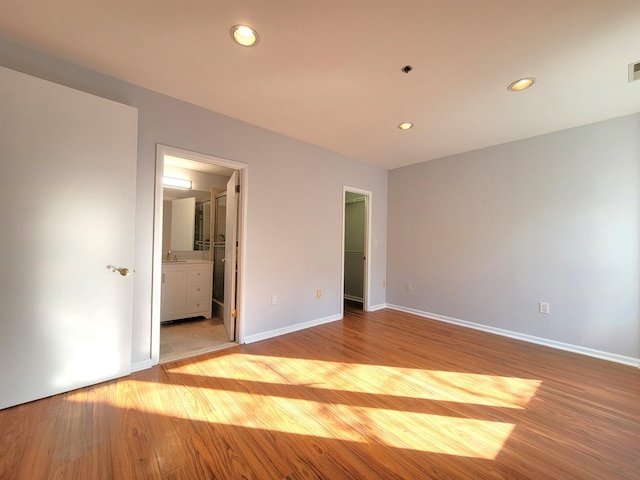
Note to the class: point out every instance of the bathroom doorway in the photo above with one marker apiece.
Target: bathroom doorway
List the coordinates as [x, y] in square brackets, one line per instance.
[187, 321]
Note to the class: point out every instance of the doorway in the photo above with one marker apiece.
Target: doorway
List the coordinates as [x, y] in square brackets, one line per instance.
[356, 235]
[183, 333]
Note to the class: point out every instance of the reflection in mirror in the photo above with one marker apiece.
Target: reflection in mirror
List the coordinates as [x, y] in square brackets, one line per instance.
[186, 220]
[182, 223]
[202, 235]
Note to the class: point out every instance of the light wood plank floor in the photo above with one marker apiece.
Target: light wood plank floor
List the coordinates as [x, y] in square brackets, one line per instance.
[382, 395]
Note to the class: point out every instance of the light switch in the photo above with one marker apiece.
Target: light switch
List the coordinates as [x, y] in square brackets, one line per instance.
[543, 307]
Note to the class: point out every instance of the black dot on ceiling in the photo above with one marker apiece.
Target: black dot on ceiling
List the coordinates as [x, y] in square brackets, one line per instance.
[407, 68]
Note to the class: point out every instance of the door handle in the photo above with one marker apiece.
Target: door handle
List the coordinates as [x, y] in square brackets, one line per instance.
[125, 272]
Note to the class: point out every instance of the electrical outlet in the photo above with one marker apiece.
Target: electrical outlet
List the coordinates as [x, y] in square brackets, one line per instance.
[384, 284]
[543, 307]
[274, 300]
[319, 293]
[409, 287]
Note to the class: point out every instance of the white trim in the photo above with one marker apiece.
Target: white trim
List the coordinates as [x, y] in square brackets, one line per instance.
[136, 367]
[156, 262]
[367, 244]
[200, 157]
[243, 169]
[590, 352]
[353, 299]
[290, 329]
[374, 308]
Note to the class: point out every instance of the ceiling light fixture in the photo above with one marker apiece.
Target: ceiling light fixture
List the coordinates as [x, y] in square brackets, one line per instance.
[521, 84]
[176, 183]
[244, 35]
[405, 125]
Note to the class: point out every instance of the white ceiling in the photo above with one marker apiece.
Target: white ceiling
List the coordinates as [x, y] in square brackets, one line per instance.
[329, 72]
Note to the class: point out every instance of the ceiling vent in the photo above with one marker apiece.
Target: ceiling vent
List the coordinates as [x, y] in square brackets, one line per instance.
[634, 71]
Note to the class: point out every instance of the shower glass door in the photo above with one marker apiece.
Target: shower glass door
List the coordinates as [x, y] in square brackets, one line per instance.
[219, 247]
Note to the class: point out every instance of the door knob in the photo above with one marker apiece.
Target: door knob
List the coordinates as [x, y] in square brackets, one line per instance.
[122, 271]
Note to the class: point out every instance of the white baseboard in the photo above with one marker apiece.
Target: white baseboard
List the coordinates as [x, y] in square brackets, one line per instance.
[353, 299]
[373, 308]
[137, 366]
[612, 357]
[290, 329]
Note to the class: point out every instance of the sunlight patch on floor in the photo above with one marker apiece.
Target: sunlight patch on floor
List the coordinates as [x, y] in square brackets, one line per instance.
[459, 387]
[397, 429]
[399, 407]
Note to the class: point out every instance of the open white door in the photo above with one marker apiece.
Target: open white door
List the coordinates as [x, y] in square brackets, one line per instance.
[231, 257]
[67, 203]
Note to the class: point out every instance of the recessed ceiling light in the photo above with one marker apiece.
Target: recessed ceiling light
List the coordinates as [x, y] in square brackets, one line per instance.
[405, 125]
[521, 84]
[244, 35]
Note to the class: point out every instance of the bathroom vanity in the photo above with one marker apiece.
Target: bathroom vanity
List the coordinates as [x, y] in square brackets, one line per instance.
[186, 289]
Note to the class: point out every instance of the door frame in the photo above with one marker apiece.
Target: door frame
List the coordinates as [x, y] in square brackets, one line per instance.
[367, 245]
[229, 316]
[156, 283]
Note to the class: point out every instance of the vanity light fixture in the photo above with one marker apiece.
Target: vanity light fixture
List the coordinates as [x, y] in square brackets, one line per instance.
[521, 84]
[176, 183]
[244, 35]
[405, 125]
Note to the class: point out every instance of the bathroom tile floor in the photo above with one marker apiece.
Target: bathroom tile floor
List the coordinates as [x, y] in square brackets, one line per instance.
[187, 338]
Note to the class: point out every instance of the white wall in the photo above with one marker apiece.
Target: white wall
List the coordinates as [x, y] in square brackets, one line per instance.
[484, 236]
[294, 234]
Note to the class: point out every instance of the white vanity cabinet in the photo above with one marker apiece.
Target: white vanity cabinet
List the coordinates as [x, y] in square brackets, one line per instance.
[186, 290]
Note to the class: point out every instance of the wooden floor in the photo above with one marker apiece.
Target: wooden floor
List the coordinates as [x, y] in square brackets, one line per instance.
[384, 395]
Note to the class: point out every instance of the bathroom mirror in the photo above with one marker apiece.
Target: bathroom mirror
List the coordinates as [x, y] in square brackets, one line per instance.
[186, 220]
[202, 233]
